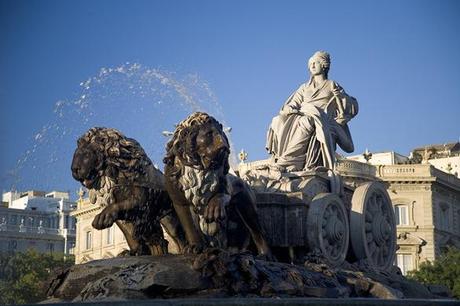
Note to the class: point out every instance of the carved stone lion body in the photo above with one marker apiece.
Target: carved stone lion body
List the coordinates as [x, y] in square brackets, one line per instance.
[213, 206]
[122, 179]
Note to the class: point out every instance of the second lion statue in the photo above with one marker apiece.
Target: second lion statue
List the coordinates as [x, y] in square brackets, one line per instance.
[214, 207]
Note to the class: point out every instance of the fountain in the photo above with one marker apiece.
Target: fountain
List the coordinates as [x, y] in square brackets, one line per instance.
[140, 101]
[288, 205]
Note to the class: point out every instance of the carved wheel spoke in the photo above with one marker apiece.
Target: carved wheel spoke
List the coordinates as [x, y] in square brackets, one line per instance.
[327, 228]
[372, 224]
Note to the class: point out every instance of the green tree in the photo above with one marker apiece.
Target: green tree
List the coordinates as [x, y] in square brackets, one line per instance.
[23, 275]
[442, 271]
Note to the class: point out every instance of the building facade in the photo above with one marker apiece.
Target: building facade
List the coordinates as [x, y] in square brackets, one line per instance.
[37, 220]
[445, 157]
[92, 244]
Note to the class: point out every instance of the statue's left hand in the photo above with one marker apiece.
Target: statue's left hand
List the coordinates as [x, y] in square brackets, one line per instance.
[336, 90]
[106, 218]
[215, 210]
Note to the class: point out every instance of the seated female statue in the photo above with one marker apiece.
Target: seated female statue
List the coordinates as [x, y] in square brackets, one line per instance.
[312, 122]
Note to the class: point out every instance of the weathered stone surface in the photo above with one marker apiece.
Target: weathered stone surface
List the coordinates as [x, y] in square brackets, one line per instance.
[127, 278]
[217, 274]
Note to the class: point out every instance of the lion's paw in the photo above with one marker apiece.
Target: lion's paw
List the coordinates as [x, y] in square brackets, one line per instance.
[106, 218]
[194, 249]
[216, 208]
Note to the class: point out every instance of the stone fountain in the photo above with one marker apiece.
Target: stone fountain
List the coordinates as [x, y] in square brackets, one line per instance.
[289, 226]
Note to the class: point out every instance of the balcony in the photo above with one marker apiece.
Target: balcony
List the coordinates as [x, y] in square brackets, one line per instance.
[35, 230]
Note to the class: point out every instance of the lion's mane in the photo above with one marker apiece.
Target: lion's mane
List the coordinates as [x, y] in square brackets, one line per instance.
[125, 163]
[181, 150]
[197, 182]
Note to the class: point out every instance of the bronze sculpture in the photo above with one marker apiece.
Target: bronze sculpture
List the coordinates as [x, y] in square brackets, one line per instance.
[121, 177]
[214, 207]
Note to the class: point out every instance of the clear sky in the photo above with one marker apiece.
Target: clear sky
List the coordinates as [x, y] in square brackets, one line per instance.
[400, 59]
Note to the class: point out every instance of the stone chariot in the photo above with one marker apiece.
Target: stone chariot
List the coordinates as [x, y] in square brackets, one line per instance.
[317, 214]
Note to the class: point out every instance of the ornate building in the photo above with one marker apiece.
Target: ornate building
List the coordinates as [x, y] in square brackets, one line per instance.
[93, 244]
[37, 220]
[445, 157]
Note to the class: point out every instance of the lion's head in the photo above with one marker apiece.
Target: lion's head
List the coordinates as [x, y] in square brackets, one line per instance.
[197, 158]
[104, 152]
[198, 142]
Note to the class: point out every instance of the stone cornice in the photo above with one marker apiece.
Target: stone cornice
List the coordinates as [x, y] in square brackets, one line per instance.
[86, 210]
[417, 173]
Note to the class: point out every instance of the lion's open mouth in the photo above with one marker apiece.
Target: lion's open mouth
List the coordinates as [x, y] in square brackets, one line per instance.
[90, 181]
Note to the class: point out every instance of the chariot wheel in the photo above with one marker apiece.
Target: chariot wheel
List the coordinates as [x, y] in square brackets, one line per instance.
[372, 225]
[327, 228]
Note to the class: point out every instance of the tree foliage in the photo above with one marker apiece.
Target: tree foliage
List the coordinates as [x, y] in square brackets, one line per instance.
[443, 271]
[22, 275]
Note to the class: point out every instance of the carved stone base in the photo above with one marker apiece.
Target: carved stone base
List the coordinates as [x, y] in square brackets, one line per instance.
[217, 273]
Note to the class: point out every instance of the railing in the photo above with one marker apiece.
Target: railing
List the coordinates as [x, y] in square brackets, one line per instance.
[418, 171]
[66, 231]
[243, 167]
[344, 166]
[35, 230]
[400, 171]
[355, 168]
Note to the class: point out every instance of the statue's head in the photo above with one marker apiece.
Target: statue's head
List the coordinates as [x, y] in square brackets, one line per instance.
[319, 63]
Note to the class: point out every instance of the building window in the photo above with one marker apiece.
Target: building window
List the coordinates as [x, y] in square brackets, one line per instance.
[444, 218]
[51, 247]
[72, 248]
[12, 245]
[109, 237]
[89, 240]
[458, 222]
[14, 219]
[402, 214]
[405, 262]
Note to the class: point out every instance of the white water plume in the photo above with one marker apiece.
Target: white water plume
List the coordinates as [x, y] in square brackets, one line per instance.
[139, 101]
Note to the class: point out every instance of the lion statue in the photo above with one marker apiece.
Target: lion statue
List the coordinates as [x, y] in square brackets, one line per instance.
[214, 207]
[122, 179]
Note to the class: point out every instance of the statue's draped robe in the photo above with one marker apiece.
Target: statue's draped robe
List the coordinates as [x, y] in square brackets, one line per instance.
[308, 139]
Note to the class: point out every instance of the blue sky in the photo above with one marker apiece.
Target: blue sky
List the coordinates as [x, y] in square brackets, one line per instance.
[400, 59]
